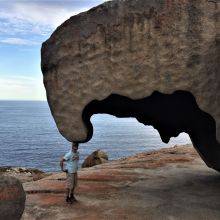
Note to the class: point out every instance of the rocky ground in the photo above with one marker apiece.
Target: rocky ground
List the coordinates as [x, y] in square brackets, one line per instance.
[172, 183]
[23, 174]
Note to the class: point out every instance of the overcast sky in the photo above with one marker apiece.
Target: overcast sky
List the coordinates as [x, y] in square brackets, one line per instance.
[24, 25]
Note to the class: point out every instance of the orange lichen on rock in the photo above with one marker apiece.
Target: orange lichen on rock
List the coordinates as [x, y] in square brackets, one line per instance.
[151, 185]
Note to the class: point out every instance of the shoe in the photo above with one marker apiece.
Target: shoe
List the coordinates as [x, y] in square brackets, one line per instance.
[72, 198]
[68, 199]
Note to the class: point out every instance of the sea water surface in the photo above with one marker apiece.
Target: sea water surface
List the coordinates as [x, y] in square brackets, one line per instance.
[29, 137]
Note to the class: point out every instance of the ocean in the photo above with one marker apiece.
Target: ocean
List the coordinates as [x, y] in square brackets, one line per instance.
[29, 137]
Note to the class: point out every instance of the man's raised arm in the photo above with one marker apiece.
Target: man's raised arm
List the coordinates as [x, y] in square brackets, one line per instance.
[61, 164]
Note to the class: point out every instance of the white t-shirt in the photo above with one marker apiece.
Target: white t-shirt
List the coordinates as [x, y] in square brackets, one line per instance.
[71, 163]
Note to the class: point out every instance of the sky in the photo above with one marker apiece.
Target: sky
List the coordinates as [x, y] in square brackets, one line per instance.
[24, 25]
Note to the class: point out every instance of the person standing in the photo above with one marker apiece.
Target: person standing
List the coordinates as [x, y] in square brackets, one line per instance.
[71, 160]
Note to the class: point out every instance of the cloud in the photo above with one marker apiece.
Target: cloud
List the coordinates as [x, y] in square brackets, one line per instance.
[18, 41]
[28, 23]
[44, 14]
[39, 17]
[21, 88]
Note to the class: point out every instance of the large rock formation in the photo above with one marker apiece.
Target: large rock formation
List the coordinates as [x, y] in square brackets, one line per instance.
[12, 198]
[154, 60]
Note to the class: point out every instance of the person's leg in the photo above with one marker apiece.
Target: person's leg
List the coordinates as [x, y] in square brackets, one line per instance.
[74, 186]
[72, 191]
[67, 195]
[68, 187]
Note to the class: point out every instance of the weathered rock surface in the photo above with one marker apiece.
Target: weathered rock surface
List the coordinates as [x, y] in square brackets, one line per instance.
[12, 198]
[23, 174]
[95, 158]
[167, 184]
[129, 58]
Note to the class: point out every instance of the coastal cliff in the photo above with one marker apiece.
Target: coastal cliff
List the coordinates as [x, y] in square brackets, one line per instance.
[171, 183]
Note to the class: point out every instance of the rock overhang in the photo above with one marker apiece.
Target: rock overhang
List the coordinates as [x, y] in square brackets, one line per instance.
[131, 49]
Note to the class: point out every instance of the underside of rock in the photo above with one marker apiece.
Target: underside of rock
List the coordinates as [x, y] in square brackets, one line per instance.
[169, 114]
[157, 61]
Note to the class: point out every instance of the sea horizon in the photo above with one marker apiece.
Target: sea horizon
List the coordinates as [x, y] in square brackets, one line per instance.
[29, 137]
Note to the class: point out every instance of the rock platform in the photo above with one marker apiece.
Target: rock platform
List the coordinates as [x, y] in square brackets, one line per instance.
[171, 183]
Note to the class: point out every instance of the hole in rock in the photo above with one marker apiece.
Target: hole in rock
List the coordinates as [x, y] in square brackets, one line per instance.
[122, 137]
[170, 114]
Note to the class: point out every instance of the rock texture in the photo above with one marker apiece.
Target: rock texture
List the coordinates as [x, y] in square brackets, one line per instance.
[133, 48]
[23, 174]
[167, 184]
[12, 198]
[95, 158]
